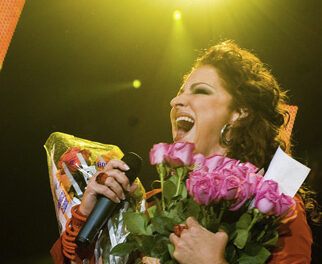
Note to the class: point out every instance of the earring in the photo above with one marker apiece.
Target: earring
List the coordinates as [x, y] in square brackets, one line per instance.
[223, 134]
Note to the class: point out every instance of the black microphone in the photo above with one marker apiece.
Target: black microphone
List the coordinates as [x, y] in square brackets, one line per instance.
[104, 207]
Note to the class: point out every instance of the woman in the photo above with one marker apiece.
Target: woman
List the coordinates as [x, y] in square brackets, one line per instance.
[231, 105]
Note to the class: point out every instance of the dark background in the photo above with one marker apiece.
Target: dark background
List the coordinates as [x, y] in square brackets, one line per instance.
[70, 66]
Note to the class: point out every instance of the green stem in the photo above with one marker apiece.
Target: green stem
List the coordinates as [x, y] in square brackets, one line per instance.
[252, 222]
[221, 213]
[161, 170]
[180, 173]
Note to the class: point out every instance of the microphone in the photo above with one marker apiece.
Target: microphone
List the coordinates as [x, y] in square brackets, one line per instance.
[104, 207]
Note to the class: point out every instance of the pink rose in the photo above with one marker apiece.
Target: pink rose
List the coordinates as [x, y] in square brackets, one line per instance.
[269, 201]
[284, 204]
[245, 192]
[249, 167]
[230, 187]
[158, 153]
[219, 162]
[200, 185]
[254, 181]
[198, 159]
[237, 187]
[291, 213]
[180, 154]
[214, 161]
[70, 158]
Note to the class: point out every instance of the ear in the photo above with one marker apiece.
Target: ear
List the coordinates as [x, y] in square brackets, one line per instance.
[239, 114]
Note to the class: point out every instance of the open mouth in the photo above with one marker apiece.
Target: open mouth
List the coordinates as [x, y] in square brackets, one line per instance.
[184, 125]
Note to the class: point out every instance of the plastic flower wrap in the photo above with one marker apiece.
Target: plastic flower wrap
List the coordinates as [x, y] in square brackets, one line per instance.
[221, 193]
[71, 163]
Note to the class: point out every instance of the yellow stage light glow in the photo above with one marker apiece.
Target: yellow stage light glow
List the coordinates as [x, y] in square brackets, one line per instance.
[176, 15]
[136, 84]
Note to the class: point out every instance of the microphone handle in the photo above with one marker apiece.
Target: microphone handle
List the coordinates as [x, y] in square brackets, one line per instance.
[102, 211]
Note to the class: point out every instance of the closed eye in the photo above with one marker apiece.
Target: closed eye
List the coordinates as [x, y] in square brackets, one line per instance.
[201, 91]
[201, 88]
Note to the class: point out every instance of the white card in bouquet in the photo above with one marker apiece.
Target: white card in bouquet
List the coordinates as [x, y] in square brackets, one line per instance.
[287, 172]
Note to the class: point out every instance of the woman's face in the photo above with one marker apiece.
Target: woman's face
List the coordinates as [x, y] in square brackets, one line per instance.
[201, 109]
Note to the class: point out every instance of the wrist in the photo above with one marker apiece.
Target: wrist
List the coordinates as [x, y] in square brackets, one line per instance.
[83, 211]
[78, 217]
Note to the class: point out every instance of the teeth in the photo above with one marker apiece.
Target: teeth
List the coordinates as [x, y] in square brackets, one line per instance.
[185, 118]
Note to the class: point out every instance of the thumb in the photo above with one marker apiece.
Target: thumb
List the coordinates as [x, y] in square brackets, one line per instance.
[191, 221]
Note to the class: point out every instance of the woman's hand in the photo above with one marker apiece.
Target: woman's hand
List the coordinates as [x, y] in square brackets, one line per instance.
[112, 187]
[197, 245]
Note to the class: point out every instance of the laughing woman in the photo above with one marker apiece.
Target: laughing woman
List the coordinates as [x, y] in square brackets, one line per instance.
[229, 104]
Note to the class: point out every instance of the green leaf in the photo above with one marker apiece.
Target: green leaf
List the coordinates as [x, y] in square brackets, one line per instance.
[241, 238]
[254, 254]
[180, 171]
[192, 208]
[230, 253]
[137, 223]
[226, 227]
[184, 192]
[160, 247]
[152, 210]
[175, 214]
[123, 249]
[163, 225]
[171, 249]
[144, 244]
[169, 189]
[272, 241]
[244, 221]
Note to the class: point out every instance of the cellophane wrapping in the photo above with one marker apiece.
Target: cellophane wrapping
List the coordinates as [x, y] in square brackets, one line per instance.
[72, 161]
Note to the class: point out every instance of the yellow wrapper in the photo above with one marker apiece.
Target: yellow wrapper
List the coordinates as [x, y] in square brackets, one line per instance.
[71, 162]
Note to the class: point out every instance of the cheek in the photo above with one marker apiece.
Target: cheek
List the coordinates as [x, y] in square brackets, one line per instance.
[215, 114]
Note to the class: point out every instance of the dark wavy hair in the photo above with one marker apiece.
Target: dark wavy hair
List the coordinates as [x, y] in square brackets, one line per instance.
[257, 134]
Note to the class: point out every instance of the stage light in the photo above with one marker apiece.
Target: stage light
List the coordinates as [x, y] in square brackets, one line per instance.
[176, 15]
[136, 84]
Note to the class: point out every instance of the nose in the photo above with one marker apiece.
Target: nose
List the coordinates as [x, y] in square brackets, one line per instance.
[178, 101]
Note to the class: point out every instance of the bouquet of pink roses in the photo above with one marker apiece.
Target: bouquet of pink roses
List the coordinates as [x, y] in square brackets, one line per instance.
[220, 193]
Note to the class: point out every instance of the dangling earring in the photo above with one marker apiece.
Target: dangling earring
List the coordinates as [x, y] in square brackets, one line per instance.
[223, 134]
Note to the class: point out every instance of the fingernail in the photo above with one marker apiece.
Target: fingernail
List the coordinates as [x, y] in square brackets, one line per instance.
[118, 200]
[126, 167]
[128, 188]
[123, 196]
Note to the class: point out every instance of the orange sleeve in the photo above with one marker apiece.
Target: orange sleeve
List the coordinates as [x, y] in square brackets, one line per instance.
[295, 241]
[65, 247]
[56, 253]
[58, 257]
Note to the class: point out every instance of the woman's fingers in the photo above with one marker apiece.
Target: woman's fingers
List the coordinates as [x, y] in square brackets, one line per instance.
[115, 187]
[116, 164]
[107, 182]
[191, 221]
[174, 239]
[106, 191]
[133, 187]
[120, 177]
